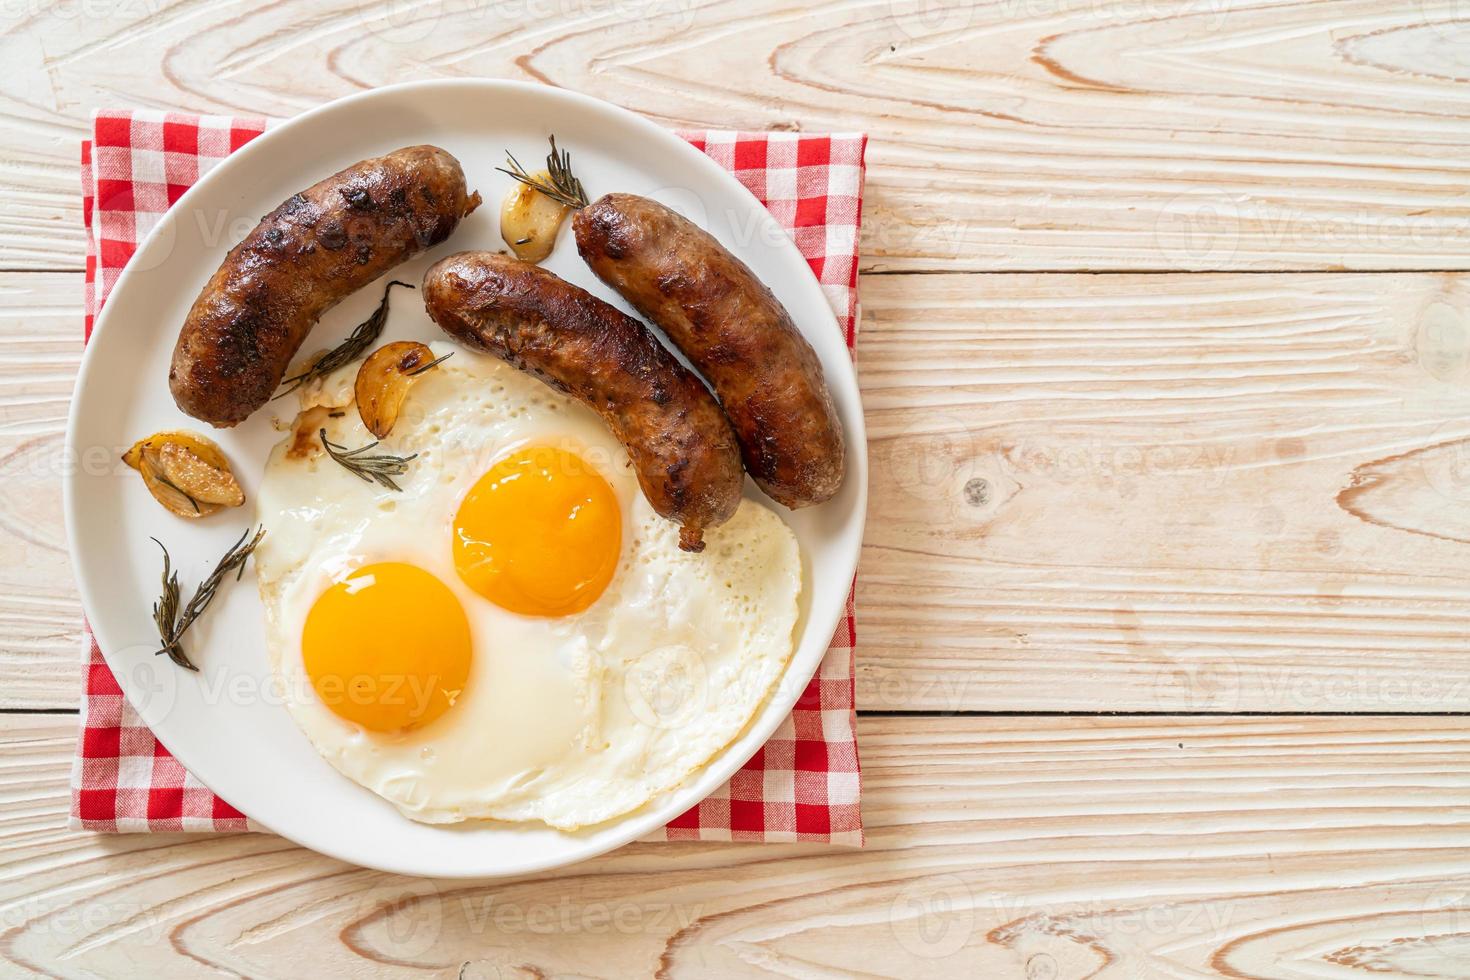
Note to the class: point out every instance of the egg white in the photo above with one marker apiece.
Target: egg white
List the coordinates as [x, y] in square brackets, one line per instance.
[570, 721]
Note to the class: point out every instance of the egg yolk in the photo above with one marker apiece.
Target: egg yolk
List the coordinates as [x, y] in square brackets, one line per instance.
[388, 647]
[539, 534]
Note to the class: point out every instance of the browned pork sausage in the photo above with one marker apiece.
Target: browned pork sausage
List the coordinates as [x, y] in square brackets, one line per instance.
[735, 332]
[680, 442]
[303, 258]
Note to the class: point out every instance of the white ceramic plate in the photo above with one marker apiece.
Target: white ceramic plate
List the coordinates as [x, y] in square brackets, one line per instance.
[226, 724]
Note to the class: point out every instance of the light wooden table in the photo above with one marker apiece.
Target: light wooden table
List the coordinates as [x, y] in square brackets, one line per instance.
[1164, 610]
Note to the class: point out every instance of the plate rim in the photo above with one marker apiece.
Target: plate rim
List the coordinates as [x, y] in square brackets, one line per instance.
[759, 727]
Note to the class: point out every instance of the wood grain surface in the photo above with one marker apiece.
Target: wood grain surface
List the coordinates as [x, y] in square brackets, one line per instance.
[40, 615]
[1167, 492]
[1014, 135]
[1049, 849]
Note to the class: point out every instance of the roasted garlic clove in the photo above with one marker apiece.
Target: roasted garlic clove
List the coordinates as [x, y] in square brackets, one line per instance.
[185, 472]
[202, 481]
[384, 379]
[529, 220]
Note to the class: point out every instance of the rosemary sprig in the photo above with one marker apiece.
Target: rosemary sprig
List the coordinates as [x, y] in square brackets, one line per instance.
[176, 489]
[432, 364]
[561, 186]
[166, 613]
[380, 469]
[350, 349]
[171, 623]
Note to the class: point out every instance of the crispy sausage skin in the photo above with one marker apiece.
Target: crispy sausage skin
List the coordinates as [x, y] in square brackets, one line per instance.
[735, 332]
[680, 443]
[301, 260]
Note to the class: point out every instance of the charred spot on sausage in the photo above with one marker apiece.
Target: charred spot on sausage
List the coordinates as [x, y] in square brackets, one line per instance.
[671, 281]
[332, 235]
[358, 199]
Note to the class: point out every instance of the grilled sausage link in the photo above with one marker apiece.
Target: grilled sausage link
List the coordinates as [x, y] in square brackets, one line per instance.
[735, 332]
[304, 258]
[680, 443]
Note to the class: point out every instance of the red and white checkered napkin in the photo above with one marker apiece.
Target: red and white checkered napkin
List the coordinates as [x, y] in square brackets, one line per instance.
[802, 785]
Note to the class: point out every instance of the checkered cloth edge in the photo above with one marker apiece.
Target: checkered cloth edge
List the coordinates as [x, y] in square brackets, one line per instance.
[803, 785]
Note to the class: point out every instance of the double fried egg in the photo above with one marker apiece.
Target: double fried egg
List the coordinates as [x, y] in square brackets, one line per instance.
[513, 634]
